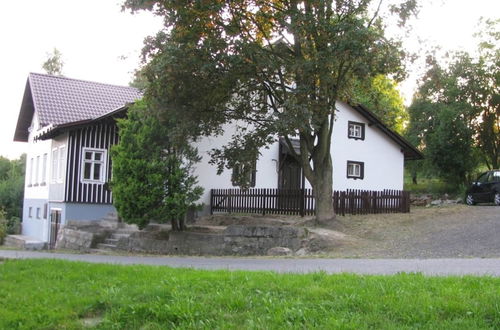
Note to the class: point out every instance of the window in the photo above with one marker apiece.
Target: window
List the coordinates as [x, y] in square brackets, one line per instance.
[242, 170]
[355, 170]
[44, 169]
[45, 207]
[54, 164]
[38, 213]
[94, 165]
[30, 182]
[37, 170]
[30, 211]
[356, 130]
[62, 163]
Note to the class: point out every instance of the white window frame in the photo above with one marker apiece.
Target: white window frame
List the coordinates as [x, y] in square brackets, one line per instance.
[103, 162]
[30, 182]
[355, 169]
[55, 162]
[61, 164]
[44, 169]
[37, 170]
[357, 131]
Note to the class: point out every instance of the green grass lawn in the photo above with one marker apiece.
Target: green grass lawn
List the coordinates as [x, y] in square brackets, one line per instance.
[54, 294]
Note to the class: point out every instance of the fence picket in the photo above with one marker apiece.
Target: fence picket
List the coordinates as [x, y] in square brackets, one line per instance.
[301, 201]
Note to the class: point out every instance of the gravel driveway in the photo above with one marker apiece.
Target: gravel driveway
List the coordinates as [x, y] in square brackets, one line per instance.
[456, 231]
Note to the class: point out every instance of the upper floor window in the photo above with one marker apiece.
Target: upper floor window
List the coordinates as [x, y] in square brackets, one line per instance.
[30, 181]
[356, 130]
[94, 165]
[58, 164]
[55, 160]
[37, 170]
[44, 169]
[355, 170]
[62, 163]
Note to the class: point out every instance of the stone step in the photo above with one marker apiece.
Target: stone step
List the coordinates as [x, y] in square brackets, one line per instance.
[111, 241]
[104, 246]
[24, 242]
[117, 236]
[125, 226]
[125, 231]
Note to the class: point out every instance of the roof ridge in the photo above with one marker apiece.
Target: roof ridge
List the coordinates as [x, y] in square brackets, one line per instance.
[81, 80]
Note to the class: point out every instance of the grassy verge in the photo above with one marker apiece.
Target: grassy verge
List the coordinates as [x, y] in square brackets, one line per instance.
[54, 294]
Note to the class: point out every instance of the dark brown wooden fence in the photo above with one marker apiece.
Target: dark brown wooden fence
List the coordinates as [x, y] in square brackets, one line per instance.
[368, 202]
[301, 201]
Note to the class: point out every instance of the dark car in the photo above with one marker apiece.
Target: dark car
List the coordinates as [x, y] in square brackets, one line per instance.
[485, 190]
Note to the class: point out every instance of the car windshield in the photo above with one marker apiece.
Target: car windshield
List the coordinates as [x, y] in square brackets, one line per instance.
[483, 178]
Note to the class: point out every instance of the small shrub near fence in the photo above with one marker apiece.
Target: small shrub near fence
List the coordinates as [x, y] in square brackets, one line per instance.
[301, 201]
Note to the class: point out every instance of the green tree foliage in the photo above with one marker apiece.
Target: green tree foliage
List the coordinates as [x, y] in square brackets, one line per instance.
[275, 67]
[465, 92]
[380, 94]
[152, 178]
[54, 63]
[12, 186]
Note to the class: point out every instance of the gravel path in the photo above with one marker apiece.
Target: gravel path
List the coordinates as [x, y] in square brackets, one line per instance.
[457, 231]
[439, 267]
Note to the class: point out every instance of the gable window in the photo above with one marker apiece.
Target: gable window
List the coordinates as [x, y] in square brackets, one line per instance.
[356, 130]
[93, 165]
[244, 172]
[355, 170]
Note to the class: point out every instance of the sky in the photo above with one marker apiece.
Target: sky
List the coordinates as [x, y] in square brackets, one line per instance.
[99, 42]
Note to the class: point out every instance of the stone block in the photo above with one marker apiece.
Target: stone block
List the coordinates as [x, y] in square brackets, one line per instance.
[279, 251]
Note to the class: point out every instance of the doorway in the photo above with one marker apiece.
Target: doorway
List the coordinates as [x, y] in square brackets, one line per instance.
[55, 223]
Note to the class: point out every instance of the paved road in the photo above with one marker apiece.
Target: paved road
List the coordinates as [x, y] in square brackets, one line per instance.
[360, 266]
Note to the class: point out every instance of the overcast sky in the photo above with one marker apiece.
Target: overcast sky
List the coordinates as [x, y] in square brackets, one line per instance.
[101, 43]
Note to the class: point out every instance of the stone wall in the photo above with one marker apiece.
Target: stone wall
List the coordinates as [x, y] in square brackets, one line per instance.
[234, 240]
[258, 240]
[82, 237]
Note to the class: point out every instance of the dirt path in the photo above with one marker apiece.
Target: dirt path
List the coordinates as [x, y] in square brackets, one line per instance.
[456, 231]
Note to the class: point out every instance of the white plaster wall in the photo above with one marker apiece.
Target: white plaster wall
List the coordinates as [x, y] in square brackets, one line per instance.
[384, 161]
[382, 157]
[36, 189]
[36, 228]
[36, 192]
[266, 176]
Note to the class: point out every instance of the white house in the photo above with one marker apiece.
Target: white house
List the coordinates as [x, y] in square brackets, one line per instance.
[70, 126]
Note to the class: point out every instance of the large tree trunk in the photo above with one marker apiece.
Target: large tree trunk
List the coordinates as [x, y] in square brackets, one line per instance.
[323, 192]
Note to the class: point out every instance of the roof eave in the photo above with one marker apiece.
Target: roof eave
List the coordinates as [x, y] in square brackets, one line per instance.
[25, 117]
[410, 152]
[54, 131]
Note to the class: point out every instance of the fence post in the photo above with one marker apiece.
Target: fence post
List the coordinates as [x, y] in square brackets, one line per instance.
[211, 201]
[302, 201]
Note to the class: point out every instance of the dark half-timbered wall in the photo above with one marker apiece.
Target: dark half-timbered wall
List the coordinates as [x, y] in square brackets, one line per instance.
[100, 136]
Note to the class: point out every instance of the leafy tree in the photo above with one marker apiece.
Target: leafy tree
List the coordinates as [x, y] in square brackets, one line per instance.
[12, 185]
[152, 178]
[54, 63]
[449, 146]
[380, 94]
[468, 86]
[276, 68]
